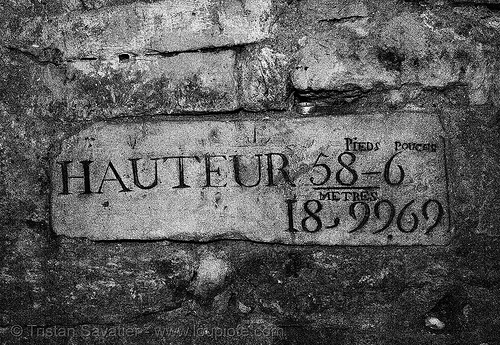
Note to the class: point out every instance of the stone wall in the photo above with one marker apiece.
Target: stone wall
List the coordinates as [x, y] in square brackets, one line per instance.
[65, 65]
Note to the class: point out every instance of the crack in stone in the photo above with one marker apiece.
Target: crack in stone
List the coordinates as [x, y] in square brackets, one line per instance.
[342, 20]
[152, 52]
[51, 59]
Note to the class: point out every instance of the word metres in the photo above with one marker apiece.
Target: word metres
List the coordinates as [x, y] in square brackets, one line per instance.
[375, 179]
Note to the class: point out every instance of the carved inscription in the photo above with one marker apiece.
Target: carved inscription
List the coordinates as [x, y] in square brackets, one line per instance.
[370, 179]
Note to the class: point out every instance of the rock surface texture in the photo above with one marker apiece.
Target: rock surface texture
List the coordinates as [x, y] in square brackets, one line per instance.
[69, 67]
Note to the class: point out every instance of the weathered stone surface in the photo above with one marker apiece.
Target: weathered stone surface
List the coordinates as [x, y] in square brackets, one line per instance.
[476, 138]
[478, 2]
[139, 28]
[83, 284]
[353, 55]
[445, 59]
[24, 139]
[185, 83]
[435, 52]
[326, 10]
[327, 64]
[264, 79]
[234, 178]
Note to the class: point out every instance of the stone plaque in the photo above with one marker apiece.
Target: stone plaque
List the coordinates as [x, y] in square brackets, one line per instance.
[375, 179]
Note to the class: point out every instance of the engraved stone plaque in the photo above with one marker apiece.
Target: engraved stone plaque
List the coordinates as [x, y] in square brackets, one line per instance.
[374, 179]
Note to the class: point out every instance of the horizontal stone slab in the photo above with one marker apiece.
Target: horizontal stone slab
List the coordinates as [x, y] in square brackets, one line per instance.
[184, 83]
[374, 179]
[163, 26]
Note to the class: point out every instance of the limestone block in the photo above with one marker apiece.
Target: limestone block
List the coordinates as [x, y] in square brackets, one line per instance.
[184, 83]
[138, 28]
[298, 181]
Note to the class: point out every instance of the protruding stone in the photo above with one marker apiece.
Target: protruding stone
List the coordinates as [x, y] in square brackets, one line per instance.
[210, 275]
[434, 323]
[243, 308]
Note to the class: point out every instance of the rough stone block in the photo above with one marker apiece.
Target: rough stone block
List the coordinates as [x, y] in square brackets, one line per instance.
[476, 165]
[24, 139]
[296, 181]
[138, 28]
[185, 83]
[324, 65]
[264, 80]
[437, 56]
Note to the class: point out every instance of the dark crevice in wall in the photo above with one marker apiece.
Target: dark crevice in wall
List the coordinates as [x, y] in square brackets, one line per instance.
[342, 20]
[332, 97]
[238, 73]
[40, 225]
[493, 7]
[151, 52]
[125, 57]
[179, 115]
[55, 56]
[238, 114]
[449, 309]
[150, 313]
[486, 4]
[113, 242]
[47, 56]
[391, 59]
[355, 98]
